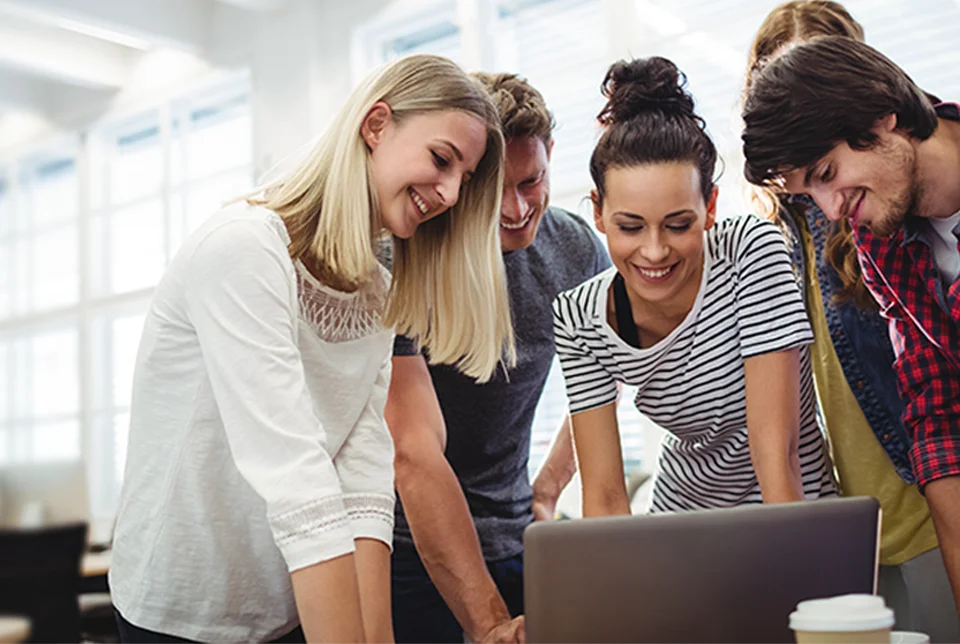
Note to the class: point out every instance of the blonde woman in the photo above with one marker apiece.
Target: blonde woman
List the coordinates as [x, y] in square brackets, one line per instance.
[258, 492]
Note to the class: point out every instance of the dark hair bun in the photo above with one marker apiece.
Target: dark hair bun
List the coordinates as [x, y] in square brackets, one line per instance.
[644, 85]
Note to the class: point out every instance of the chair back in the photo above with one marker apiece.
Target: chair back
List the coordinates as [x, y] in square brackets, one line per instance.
[40, 579]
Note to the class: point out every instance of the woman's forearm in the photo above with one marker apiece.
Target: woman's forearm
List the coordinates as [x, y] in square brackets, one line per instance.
[328, 601]
[777, 464]
[602, 501]
[772, 383]
[596, 438]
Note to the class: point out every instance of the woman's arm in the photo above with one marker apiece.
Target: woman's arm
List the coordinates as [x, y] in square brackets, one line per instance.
[365, 466]
[239, 303]
[596, 438]
[773, 423]
[328, 601]
[372, 559]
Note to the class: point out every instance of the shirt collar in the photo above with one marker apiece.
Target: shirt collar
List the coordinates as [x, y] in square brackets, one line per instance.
[914, 230]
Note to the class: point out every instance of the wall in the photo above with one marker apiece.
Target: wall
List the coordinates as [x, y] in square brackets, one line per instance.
[301, 74]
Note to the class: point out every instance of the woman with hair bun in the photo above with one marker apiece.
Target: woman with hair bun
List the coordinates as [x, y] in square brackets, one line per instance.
[704, 317]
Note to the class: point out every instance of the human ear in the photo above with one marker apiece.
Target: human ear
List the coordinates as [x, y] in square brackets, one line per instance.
[888, 123]
[597, 211]
[375, 124]
[712, 208]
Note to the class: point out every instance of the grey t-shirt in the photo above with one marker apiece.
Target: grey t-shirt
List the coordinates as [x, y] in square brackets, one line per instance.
[488, 425]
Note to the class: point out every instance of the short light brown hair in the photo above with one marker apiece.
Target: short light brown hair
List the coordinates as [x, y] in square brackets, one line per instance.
[522, 109]
[797, 21]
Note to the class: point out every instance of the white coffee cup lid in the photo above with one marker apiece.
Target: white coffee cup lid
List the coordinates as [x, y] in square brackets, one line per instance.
[842, 613]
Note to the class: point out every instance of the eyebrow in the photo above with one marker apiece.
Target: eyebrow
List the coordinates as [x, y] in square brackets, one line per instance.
[636, 216]
[456, 150]
[808, 175]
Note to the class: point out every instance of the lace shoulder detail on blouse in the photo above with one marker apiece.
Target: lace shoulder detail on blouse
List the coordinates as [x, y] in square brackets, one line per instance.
[336, 316]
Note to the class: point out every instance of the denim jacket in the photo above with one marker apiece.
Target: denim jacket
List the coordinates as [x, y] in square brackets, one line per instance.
[860, 339]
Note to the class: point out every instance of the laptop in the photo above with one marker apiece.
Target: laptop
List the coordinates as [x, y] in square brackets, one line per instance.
[730, 575]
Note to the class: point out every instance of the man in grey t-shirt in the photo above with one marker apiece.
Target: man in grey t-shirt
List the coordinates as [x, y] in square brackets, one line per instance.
[462, 447]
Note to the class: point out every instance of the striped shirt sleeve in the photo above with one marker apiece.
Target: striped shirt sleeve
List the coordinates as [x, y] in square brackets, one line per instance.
[589, 385]
[770, 312]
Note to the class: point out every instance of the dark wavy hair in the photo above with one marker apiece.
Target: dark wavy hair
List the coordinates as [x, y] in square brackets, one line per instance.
[822, 92]
[649, 118]
[789, 23]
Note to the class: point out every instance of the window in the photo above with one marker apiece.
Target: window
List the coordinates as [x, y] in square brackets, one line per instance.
[39, 420]
[211, 157]
[561, 47]
[39, 235]
[429, 28]
[115, 337]
[85, 235]
[127, 239]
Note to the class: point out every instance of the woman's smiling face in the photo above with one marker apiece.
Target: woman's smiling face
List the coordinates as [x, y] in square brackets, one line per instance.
[420, 164]
[654, 216]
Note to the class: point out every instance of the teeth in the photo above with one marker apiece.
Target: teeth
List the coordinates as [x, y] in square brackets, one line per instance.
[654, 274]
[417, 200]
[515, 226]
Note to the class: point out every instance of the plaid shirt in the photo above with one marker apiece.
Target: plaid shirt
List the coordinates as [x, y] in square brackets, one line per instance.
[924, 316]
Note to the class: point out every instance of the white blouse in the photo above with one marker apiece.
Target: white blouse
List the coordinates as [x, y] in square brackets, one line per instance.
[257, 439]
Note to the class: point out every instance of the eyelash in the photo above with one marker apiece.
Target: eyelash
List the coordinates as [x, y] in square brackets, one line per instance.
[827, 175]
[439, 160]
[676, 229]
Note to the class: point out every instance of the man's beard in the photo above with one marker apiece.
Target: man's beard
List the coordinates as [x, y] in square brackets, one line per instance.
[903, 205]
[899, 209]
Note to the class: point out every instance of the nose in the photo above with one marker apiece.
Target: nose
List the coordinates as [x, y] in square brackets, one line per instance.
[654, 249]
[449, 191]
[512, 207]
[830, 202]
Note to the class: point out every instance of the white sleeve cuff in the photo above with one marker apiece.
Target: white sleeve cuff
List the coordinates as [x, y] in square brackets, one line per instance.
[371, 516]
[313, 533]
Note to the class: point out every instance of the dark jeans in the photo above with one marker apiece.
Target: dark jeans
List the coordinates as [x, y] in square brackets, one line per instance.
[137, 635]
[419, 612]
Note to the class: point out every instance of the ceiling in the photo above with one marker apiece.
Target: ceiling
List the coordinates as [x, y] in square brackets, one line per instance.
[56, 55]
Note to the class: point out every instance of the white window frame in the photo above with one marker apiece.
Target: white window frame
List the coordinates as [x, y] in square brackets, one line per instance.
[96, 408]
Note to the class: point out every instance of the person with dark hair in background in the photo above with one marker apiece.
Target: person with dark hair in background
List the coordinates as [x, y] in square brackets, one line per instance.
[702, 315]
[835, 119]
[462, 447]
[853, 364]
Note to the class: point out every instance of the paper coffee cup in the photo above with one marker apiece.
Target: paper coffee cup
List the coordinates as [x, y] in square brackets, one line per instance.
[845, 619]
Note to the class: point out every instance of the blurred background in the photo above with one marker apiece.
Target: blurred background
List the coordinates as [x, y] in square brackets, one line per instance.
[124, 123]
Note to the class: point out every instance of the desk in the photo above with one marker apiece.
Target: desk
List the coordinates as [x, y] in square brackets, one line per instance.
[95, 564]
[13, 629]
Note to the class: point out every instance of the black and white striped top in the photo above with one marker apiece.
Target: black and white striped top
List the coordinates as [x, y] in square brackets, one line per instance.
[691, 383]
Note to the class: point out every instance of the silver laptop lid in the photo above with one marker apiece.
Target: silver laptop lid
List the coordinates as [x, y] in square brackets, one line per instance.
[731, 575]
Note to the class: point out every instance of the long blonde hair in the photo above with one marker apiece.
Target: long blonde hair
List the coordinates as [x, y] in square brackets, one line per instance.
[449, 287]
[790, 22]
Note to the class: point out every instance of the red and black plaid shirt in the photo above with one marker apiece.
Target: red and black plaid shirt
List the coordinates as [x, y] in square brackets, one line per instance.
[924, 316]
